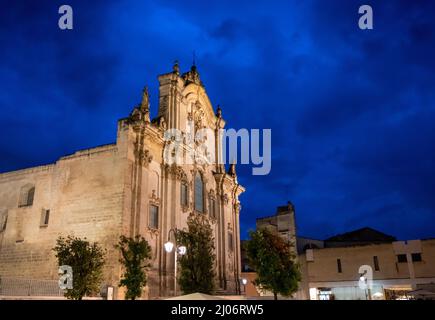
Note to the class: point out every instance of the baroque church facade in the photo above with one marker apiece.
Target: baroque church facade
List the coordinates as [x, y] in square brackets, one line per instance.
[126, 188]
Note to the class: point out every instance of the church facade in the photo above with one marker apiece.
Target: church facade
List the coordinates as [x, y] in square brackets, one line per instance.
[126, 188]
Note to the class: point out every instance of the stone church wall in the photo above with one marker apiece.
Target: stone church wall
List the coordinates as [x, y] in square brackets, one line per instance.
[84, 193]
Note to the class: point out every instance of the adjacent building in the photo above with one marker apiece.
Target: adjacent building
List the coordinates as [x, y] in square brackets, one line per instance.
[366, 264]
[282, 222]
[363, 264]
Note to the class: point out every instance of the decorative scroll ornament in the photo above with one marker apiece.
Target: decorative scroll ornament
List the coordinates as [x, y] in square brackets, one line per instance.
[144, 157]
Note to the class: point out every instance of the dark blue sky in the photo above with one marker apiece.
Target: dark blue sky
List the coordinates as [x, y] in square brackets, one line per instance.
[352, 112]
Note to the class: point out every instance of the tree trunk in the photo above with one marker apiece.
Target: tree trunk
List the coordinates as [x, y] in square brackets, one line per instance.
[275, 296]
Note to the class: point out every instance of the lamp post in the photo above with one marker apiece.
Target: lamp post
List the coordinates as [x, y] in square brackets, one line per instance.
[179, 250]
[363, 285]
[244, 282]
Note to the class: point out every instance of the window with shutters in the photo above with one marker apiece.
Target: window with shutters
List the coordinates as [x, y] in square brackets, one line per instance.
[27, 194]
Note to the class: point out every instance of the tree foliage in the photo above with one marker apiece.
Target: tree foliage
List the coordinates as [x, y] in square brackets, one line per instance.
[272, 258]
[86, 260]
[135, 253]
[197, 265]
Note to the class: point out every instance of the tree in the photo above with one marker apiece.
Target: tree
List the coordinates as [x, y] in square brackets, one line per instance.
[197, 265]
[86, 261]
[135, 254]
[272, 259]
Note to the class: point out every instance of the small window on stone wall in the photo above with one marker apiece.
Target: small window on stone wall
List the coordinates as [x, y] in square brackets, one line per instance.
[154, 217]
[376, 263]
[416, 257]
[45, 217]
[402, 258]
[27, 193]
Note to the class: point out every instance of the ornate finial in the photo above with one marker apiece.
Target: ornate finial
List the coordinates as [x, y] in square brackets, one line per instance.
[219, 111]
[192, 76]
[176, 68]
[145, 105]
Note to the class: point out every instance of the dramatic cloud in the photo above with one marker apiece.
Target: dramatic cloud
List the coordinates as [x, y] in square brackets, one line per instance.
[352, 112]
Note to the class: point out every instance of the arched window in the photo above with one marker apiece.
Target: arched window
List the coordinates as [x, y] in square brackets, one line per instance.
[199, 193]
[27, 194]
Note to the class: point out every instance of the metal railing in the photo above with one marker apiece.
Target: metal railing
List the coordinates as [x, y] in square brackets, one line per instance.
[29, 287]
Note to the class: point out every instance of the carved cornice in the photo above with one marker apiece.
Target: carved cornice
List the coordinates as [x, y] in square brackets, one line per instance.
[153, 134]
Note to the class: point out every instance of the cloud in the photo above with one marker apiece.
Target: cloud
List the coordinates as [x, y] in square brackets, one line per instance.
[350, 110]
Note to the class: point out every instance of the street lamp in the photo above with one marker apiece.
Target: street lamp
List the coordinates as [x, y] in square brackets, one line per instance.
[169, 246]
[244, 282]
[179, 250]
[363, 285]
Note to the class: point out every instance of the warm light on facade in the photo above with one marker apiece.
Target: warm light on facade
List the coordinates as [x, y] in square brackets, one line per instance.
[169, 246]
[182, 250]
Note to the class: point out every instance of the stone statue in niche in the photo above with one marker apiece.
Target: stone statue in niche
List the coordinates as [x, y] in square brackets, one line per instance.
[162, 123]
